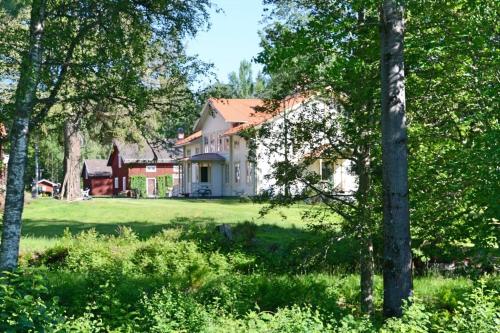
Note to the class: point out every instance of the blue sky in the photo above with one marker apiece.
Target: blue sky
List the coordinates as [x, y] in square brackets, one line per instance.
[233, 36]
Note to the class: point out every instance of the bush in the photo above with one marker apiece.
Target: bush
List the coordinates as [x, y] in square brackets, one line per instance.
[26, 304]
[172, 282]
[138, 184]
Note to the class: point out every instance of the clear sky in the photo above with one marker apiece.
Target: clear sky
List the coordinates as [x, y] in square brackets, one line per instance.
[233, 36]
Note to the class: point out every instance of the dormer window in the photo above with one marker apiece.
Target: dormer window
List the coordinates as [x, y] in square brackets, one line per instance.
[150, 168]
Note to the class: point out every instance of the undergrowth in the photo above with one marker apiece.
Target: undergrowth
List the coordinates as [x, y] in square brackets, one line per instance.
[193, 280]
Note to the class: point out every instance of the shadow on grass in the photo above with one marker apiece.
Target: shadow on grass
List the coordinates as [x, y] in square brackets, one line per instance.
[55, 228]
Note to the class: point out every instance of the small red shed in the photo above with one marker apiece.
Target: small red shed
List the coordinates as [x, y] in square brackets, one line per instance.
[45, 186]
[97, 176]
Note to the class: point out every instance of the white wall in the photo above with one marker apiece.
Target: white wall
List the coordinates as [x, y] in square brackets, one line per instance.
[272, 148]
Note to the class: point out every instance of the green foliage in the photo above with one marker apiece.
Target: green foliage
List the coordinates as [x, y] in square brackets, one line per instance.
[172, 311]
[164, 184]
[451, 63]
[175, 282]
[26, 304]
[138, 183]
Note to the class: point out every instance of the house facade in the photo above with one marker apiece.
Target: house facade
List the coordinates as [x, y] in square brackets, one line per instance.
[97, 176]
[216, 157]
[134, 159]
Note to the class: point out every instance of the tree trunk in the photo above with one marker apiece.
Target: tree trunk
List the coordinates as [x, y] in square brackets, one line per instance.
[24, 103]
[397, 249]
[367, 265]
[72, 155]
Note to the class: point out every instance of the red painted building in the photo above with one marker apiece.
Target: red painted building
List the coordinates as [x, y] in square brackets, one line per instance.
[97, 176]
[132, 159]
[46, 187]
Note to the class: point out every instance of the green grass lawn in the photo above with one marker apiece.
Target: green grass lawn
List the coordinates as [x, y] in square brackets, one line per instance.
[44, 220]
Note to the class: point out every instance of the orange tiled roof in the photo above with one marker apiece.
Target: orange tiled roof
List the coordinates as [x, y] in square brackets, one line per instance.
[257, 118]
[189, 138]
[236, 110]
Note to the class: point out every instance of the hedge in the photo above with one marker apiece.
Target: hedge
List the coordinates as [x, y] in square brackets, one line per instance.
[164, 183]
[138, 184]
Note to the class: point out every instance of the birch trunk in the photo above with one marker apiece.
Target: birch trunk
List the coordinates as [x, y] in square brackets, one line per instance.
[72, 155]
[24, 103]
[397, 249]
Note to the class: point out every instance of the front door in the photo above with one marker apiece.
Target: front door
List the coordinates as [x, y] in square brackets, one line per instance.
[151, 186]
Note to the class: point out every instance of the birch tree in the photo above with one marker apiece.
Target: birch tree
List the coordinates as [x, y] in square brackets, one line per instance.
[25, 99]
[397, 263]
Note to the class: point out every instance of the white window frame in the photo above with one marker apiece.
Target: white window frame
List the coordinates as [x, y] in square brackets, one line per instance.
[249, 172]
[206, 143]
[150, 168]
[116, 183]
[237, 172]
[124, 183]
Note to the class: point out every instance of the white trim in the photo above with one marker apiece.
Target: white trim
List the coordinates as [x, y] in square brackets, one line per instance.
[47, 181]
[124, 183]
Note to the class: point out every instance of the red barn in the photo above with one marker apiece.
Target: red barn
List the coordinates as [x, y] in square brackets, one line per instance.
[132, 159]
[97, 176]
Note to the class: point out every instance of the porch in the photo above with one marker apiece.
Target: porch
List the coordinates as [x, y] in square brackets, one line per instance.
[202, 175]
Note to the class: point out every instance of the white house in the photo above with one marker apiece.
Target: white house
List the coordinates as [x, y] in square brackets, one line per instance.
[216, 156]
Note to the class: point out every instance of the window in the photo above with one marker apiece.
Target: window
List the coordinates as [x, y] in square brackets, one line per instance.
[236, 144]
[188, 152]
[249, 172]
[326, 170]
[116, 183]
[204, 173]
[150, 168]
[212, 142]
[205, 144]
[124, 183]
[226, 173]
[194, 173]
[198, 150]
[237, 174]
[226, 143]
[219, 142]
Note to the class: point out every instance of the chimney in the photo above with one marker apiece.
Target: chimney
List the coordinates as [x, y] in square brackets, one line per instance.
[180, 133]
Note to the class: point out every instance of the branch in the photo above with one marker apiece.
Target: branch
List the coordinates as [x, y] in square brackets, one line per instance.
[52, 99]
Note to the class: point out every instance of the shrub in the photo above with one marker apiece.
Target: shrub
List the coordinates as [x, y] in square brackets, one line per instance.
[26, 305]
[138, 184]
[171, 311]
[164, 183]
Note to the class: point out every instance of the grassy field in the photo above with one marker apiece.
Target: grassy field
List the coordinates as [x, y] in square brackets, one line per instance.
[175, 273]
[45, 220]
